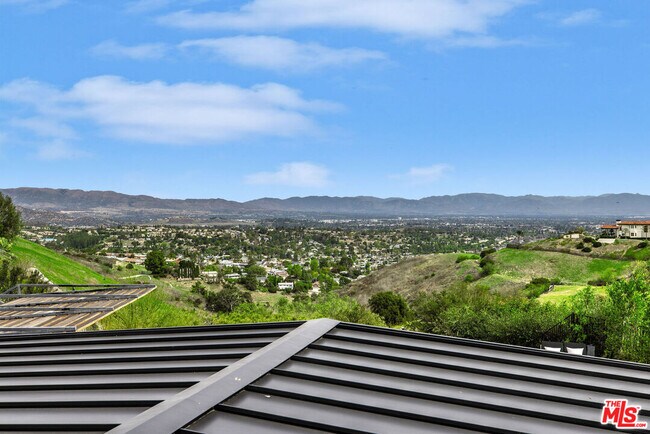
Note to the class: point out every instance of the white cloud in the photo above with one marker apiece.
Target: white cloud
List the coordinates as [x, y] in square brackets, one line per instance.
[45, 127]
[425, 175]
[407, 18]
[580, 18]
[35, 6]
[59, 150]
[111, 48]
[299, 174]
[280, 54]
[182, 113]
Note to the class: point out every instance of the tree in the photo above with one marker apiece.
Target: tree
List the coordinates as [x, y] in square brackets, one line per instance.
[249, 282]
[156, 264]
[10, 221]
[227, 299]
[391, 307]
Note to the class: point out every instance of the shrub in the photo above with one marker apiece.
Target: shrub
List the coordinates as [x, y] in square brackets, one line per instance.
[129, 266]
[586, 249]
[465, 257]
[589, 240]
[597, 244]
[469, 278]
[390, 306]
[642, 245]
[598, 282]
[226, 300]
[538, 286]
[487, 266]
[486, 252]
[580, 246]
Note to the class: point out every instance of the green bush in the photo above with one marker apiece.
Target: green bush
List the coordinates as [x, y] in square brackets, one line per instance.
[390, 306]
[487, 266]
[327, 305]
[477, 313]
[586, 249]
[538, 286]
[580, 246]
[597, 244]
[226, 300]
[487, 252]
[618, 324]
[466, 257]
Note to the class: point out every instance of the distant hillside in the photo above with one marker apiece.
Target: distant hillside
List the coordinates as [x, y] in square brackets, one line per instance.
[62, 205]
[513, 270]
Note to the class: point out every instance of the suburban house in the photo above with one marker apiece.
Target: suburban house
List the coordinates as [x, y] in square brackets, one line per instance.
[627, 229]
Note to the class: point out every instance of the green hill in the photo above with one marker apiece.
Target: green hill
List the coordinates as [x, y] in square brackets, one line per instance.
[56, 267]
[523, 265]
[608, 249]
[513, 270]
[422, 273]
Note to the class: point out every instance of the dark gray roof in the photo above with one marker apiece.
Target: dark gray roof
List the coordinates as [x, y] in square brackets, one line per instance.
[319, 375]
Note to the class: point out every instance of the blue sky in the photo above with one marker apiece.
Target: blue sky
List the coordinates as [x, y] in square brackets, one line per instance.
[245, 99]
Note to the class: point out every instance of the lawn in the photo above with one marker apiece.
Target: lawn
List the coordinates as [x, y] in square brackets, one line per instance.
[562, 292]
[56, 267]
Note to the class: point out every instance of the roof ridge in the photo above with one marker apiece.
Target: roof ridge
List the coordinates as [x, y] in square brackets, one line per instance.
[181, 409]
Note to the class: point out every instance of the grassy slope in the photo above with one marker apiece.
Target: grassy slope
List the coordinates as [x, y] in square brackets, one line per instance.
[56, 267]
[563, 292]
[514, 269]
[423, 273]
[620, 249]
[523, 265]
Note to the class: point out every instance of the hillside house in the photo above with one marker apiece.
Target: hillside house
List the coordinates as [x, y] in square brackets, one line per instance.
[635, 229]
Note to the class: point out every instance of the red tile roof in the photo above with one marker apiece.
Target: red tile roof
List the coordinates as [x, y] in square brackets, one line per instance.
[637, 222]
[609, 227]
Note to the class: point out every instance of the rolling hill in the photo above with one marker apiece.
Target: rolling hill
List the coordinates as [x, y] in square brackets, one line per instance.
[513, 270]
[93, 207]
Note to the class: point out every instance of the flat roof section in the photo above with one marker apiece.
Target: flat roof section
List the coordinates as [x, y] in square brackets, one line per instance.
[61, 308]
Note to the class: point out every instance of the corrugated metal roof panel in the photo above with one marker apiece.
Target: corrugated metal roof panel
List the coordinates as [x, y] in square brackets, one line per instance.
[302, 377]
[95, 381]
[354, 376]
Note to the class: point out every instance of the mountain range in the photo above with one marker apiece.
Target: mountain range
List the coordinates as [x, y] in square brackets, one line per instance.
[109, 205]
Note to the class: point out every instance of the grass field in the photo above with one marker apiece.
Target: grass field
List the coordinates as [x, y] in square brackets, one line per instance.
[570, 269]
[562, 292]
[56, 267]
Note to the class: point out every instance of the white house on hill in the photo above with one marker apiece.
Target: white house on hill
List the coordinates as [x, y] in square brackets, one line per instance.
[639, 229]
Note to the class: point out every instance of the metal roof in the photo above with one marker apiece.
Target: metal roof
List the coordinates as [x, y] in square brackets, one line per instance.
[319, 375]
[59, 308]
